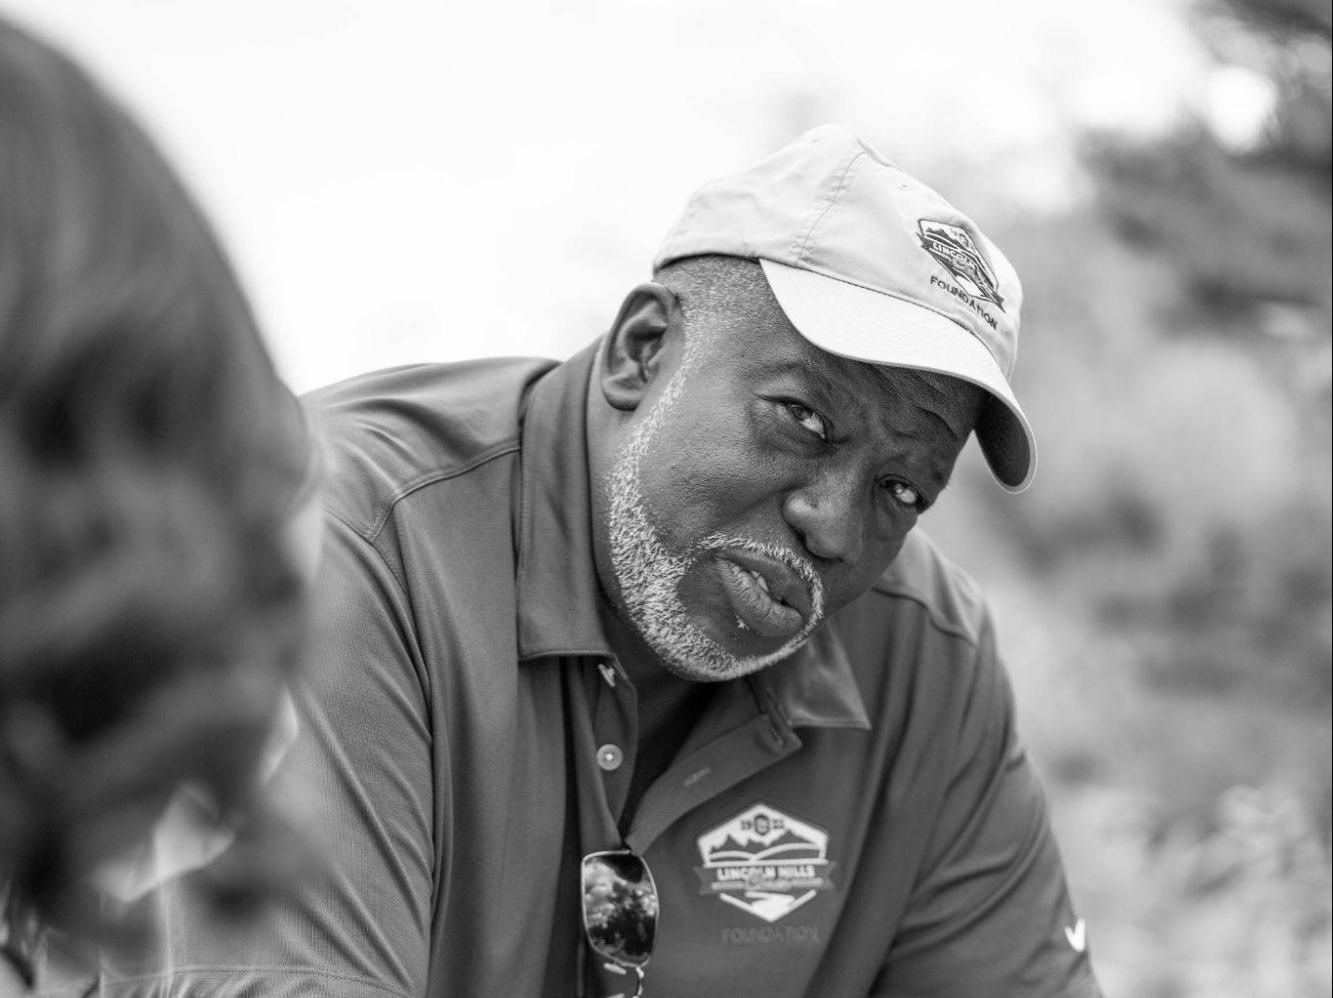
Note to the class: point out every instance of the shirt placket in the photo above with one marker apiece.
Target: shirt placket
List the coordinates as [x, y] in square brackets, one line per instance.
[604, 732]
[741, 733]
[615, 732]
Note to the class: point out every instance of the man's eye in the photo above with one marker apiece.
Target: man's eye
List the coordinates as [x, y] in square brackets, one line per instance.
[905, 495]
[808, 419]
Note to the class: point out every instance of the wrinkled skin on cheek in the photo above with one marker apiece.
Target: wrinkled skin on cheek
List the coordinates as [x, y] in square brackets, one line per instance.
[698, 477]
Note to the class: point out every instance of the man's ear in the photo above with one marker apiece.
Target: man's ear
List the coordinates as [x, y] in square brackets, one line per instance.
[632, 352]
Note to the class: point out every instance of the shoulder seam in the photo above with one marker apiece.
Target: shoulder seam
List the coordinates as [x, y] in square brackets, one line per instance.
[439, 475]
[939, 623]
[370, 543]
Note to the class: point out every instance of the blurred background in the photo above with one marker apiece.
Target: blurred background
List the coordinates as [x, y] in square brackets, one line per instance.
[410, 180]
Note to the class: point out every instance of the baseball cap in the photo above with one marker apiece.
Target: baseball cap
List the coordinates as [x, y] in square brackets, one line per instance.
[871, 264]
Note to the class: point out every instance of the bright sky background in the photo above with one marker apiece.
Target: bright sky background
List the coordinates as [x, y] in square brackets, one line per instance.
[408, 180]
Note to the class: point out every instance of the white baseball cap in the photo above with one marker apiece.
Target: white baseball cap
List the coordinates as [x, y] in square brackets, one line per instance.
[871, 264]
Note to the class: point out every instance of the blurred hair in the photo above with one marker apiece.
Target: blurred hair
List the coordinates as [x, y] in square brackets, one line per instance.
[150, 460]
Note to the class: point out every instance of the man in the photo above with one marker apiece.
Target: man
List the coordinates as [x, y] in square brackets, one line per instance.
[633, 673]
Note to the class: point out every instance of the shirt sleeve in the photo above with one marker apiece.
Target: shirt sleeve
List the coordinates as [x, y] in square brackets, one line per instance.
[990, 914]
[357, 785]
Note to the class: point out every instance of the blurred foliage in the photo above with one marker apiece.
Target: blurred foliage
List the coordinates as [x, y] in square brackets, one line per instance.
[1164, 589]
[1233, 369]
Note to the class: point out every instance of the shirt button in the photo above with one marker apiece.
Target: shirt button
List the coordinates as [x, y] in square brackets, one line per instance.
[609, 757]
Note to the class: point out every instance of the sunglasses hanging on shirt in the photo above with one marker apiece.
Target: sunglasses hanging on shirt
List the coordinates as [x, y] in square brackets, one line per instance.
[620, 913]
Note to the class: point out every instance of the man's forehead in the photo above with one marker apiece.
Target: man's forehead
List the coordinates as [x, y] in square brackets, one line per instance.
[959, 395]
[955, 401]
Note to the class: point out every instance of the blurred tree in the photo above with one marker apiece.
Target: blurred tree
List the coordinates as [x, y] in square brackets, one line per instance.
[1244, 218]
[1165, 588]
[1223, 513]
[1178, 366]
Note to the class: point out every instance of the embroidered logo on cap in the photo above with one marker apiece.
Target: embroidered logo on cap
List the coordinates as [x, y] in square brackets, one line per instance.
[959, 255]
[765, 862]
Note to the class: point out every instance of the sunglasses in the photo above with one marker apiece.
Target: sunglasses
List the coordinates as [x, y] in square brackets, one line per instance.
[620, 911]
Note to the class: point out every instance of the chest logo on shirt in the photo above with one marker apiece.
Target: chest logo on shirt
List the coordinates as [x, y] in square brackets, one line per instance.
[765, 862]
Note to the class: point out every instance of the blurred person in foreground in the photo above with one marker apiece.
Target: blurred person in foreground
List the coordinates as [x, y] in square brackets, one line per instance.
[152, 552]
[631, 673]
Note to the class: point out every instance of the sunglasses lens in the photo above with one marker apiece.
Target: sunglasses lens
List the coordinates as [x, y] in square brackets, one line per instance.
[619, 906]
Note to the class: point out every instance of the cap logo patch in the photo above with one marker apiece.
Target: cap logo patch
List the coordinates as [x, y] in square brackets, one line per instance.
[765, 862]
[954, 249]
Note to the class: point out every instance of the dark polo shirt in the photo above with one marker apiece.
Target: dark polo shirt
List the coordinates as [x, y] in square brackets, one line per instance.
[857, 820]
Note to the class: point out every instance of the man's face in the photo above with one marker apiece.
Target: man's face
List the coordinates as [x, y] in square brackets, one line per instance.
[765, 485]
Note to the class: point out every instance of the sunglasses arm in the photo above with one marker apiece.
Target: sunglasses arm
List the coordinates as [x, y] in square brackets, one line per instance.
[620, 968]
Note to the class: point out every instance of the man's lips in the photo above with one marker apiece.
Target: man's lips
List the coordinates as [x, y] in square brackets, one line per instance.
[767, 596]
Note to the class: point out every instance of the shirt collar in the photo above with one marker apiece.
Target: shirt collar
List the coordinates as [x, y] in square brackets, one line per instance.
[816, 687]
[558, 594]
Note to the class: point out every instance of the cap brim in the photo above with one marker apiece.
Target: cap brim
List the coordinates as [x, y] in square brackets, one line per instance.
[856, 322]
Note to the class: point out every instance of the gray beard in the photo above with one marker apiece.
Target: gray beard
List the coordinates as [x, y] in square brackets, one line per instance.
[649, 575]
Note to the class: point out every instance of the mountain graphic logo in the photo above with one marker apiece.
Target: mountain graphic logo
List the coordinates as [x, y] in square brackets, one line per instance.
[953, 249]
[765, 862]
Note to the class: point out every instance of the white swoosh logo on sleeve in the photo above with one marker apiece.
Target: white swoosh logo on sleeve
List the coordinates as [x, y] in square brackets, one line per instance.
[1077, 936]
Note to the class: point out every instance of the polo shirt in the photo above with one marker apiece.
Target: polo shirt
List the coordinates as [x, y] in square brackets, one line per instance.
[859, 819]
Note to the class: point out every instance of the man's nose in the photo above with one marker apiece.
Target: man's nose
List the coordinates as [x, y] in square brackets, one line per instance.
[827, 517]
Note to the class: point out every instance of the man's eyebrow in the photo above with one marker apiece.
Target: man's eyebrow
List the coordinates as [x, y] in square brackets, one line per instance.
[839, 394]
[948, 428]
[947, 400]
[804, 372]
